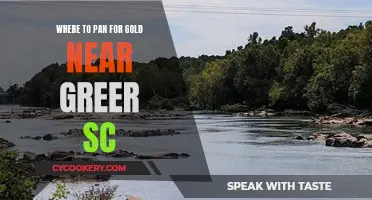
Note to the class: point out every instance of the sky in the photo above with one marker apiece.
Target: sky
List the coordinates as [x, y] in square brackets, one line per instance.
[193, 33]
[196, 34]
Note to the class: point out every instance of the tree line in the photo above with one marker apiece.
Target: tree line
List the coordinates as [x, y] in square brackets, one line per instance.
[305, 70]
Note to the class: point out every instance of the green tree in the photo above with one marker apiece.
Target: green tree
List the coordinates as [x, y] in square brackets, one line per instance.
[205, 88]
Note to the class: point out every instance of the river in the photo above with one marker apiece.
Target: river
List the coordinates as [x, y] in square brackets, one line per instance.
[233, 146]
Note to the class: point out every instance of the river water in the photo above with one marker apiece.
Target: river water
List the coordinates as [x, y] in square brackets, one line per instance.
[233, 146]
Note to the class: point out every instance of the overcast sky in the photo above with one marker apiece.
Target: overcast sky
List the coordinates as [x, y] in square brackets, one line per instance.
[193, 33]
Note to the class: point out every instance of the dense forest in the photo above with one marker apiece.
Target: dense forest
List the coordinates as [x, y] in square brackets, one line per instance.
[305, 71]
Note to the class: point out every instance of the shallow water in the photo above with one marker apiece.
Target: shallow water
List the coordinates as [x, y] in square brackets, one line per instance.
[232, 145]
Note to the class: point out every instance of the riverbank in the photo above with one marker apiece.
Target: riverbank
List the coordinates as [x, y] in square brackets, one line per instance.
[343, 115]
[57, 114]
[335, 114]
[340, 139]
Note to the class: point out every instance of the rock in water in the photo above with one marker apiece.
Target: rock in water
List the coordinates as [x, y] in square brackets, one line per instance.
[299, 138]
[184, 155]
[367, 144]
[342, 142]
[37, 138]
[5, 144]
[368, 123]
[346, 140]
[49, 137]
[73, 132]
[40, 157]
[57, 155]
[329, 142]
[367, 137]
[359, 143]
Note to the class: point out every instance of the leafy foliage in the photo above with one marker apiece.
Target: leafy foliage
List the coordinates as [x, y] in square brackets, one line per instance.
[61, 192]
[14, 182]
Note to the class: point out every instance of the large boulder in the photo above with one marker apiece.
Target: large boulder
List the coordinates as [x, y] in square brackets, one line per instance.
[299, 138]
[344, 142]
[330, 141]
[58, 155]
[347, 140]
[365, 136]
[5, 144]
[30, 156]
[342, 135]
[359, 143]
[367, 144]
[37, 138]
[40, 157]
[366, 122]
[49, 137]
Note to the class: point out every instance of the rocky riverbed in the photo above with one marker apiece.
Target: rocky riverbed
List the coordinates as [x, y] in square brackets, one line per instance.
[341, 139]
[267, 112]
[127, 133]
[273, 113]
[57, 114]
[84, 156]
[119, 133]
[337, 120]
[344, 115]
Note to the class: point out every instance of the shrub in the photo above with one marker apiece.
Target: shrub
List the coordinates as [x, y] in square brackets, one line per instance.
[157, 102]
[60, 193]
[235, 108]
[14, 181]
